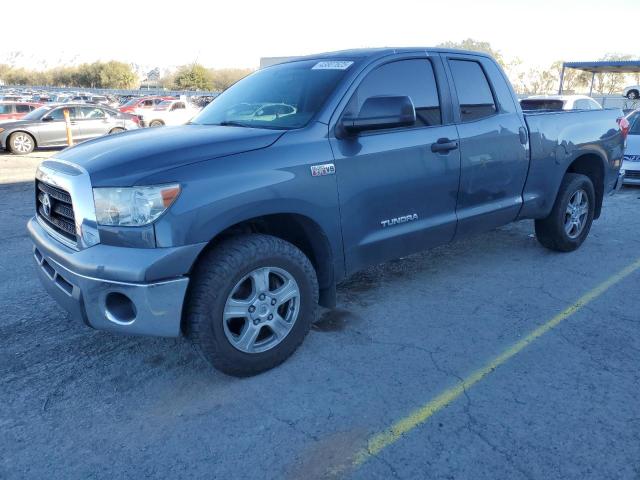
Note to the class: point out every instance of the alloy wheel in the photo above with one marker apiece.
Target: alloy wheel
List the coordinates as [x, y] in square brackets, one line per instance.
[261, 309]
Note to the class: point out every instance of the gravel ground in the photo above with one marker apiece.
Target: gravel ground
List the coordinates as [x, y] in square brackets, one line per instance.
[83, 404]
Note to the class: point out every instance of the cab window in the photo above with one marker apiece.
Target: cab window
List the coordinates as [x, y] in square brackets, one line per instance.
[412, 78]
[474, 93]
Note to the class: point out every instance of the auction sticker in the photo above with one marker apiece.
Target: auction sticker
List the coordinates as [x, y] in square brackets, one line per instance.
[332, 65]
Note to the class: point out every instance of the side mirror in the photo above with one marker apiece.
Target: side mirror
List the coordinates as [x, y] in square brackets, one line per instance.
[379, 113]
[47, 119]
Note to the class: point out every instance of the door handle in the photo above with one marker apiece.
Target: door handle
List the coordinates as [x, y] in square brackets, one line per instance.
[444, 145]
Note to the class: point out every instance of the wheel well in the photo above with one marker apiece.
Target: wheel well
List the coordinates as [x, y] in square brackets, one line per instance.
[633, 90]
[156, 120]
[591, 166]
[35, 142]
[300, 231]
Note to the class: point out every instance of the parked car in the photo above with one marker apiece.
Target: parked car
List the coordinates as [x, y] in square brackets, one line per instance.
[632, 92]
[233, 229]
[560, 102]
[145, 103]
[16, 110]
[168, 112]
[46, 127]
[631, 159]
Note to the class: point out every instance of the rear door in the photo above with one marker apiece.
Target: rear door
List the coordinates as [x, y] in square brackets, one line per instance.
[493, 144]
[94, 122]
[397, 195]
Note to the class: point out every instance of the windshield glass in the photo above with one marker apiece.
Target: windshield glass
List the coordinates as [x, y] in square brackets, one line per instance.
[164, 105]
[37, 113]
[281, 97]
[131, 102]
[634, 123]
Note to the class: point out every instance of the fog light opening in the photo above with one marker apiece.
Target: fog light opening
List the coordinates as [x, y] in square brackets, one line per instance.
[119, 308]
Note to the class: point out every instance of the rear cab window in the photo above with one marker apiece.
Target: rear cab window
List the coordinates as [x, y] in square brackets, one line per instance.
[473, 90]
[541, 104]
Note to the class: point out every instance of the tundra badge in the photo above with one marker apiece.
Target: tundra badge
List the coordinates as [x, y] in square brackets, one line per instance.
[396, 221]
[321, 170]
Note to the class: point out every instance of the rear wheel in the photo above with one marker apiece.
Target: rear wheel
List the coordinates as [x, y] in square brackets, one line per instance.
[251, 302]
[569, 222]
[633, 94]
[21, 143]
[116, 130]
[156, 123]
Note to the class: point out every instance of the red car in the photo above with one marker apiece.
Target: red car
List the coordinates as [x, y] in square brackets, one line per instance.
[16, 110]
[143, 102]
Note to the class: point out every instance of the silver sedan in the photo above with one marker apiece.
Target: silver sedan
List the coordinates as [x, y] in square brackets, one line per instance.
[46, 126]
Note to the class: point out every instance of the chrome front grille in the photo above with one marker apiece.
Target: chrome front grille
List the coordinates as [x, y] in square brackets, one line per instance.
[55, 208]
[632, 174]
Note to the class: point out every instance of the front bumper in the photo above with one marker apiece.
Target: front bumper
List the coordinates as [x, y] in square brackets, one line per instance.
[118, 289]
[632, 173]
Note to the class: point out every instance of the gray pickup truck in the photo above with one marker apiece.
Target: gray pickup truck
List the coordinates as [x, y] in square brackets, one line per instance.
[234, 227]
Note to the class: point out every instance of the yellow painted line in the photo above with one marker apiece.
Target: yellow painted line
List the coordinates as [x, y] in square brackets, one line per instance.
[388, 437]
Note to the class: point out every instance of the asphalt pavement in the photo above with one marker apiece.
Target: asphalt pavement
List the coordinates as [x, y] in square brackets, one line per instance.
[78, 403]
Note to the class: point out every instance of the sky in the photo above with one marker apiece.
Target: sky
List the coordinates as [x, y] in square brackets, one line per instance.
[237, 33]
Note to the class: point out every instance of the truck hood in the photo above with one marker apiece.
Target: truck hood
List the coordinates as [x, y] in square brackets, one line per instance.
[124, 159]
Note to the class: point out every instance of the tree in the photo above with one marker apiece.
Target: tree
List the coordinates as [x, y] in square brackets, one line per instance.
[609, 83]
[225, 77]
[193, 77]
[476, 46]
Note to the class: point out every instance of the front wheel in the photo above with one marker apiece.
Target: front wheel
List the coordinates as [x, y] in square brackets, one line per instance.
[569, 222]
[156, 123]
[632, 94]
[251, 302]
[116, 130]
[21, 143]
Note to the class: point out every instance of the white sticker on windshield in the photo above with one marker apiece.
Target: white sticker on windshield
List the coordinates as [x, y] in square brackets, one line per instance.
[332, 65]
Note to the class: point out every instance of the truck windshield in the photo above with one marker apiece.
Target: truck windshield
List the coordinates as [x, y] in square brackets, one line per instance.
[284, 96]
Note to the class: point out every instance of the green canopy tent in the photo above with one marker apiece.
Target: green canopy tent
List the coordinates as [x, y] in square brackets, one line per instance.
[613, 66]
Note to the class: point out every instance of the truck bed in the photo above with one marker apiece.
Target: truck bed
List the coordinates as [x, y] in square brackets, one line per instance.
[556, 139]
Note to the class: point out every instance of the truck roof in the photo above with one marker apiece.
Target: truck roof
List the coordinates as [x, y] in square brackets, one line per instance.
[372, 53]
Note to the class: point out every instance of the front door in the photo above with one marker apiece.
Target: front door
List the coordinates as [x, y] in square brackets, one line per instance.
[397, 196]
[52, 131]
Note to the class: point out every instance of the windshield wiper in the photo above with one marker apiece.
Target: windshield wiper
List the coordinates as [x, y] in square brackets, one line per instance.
[231, 123]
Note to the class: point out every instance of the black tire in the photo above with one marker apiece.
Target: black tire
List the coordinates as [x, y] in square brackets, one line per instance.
[156, 123]
[217, 273]
[633, 94]
[550, 231]
[116, 130]
[21, 143]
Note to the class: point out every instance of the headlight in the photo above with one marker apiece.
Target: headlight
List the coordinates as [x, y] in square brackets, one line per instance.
[133, 206]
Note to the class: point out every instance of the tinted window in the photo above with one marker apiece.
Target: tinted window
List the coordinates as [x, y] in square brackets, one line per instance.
[58, 113]
[541, 104]
[91, 113]
[411, 78]
[23, 108]
[5, 109]
[474, 93]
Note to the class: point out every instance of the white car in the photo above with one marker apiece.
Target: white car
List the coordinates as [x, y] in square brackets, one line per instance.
[559, 102]
[168, 112]
[632, 92]
[631, 159]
